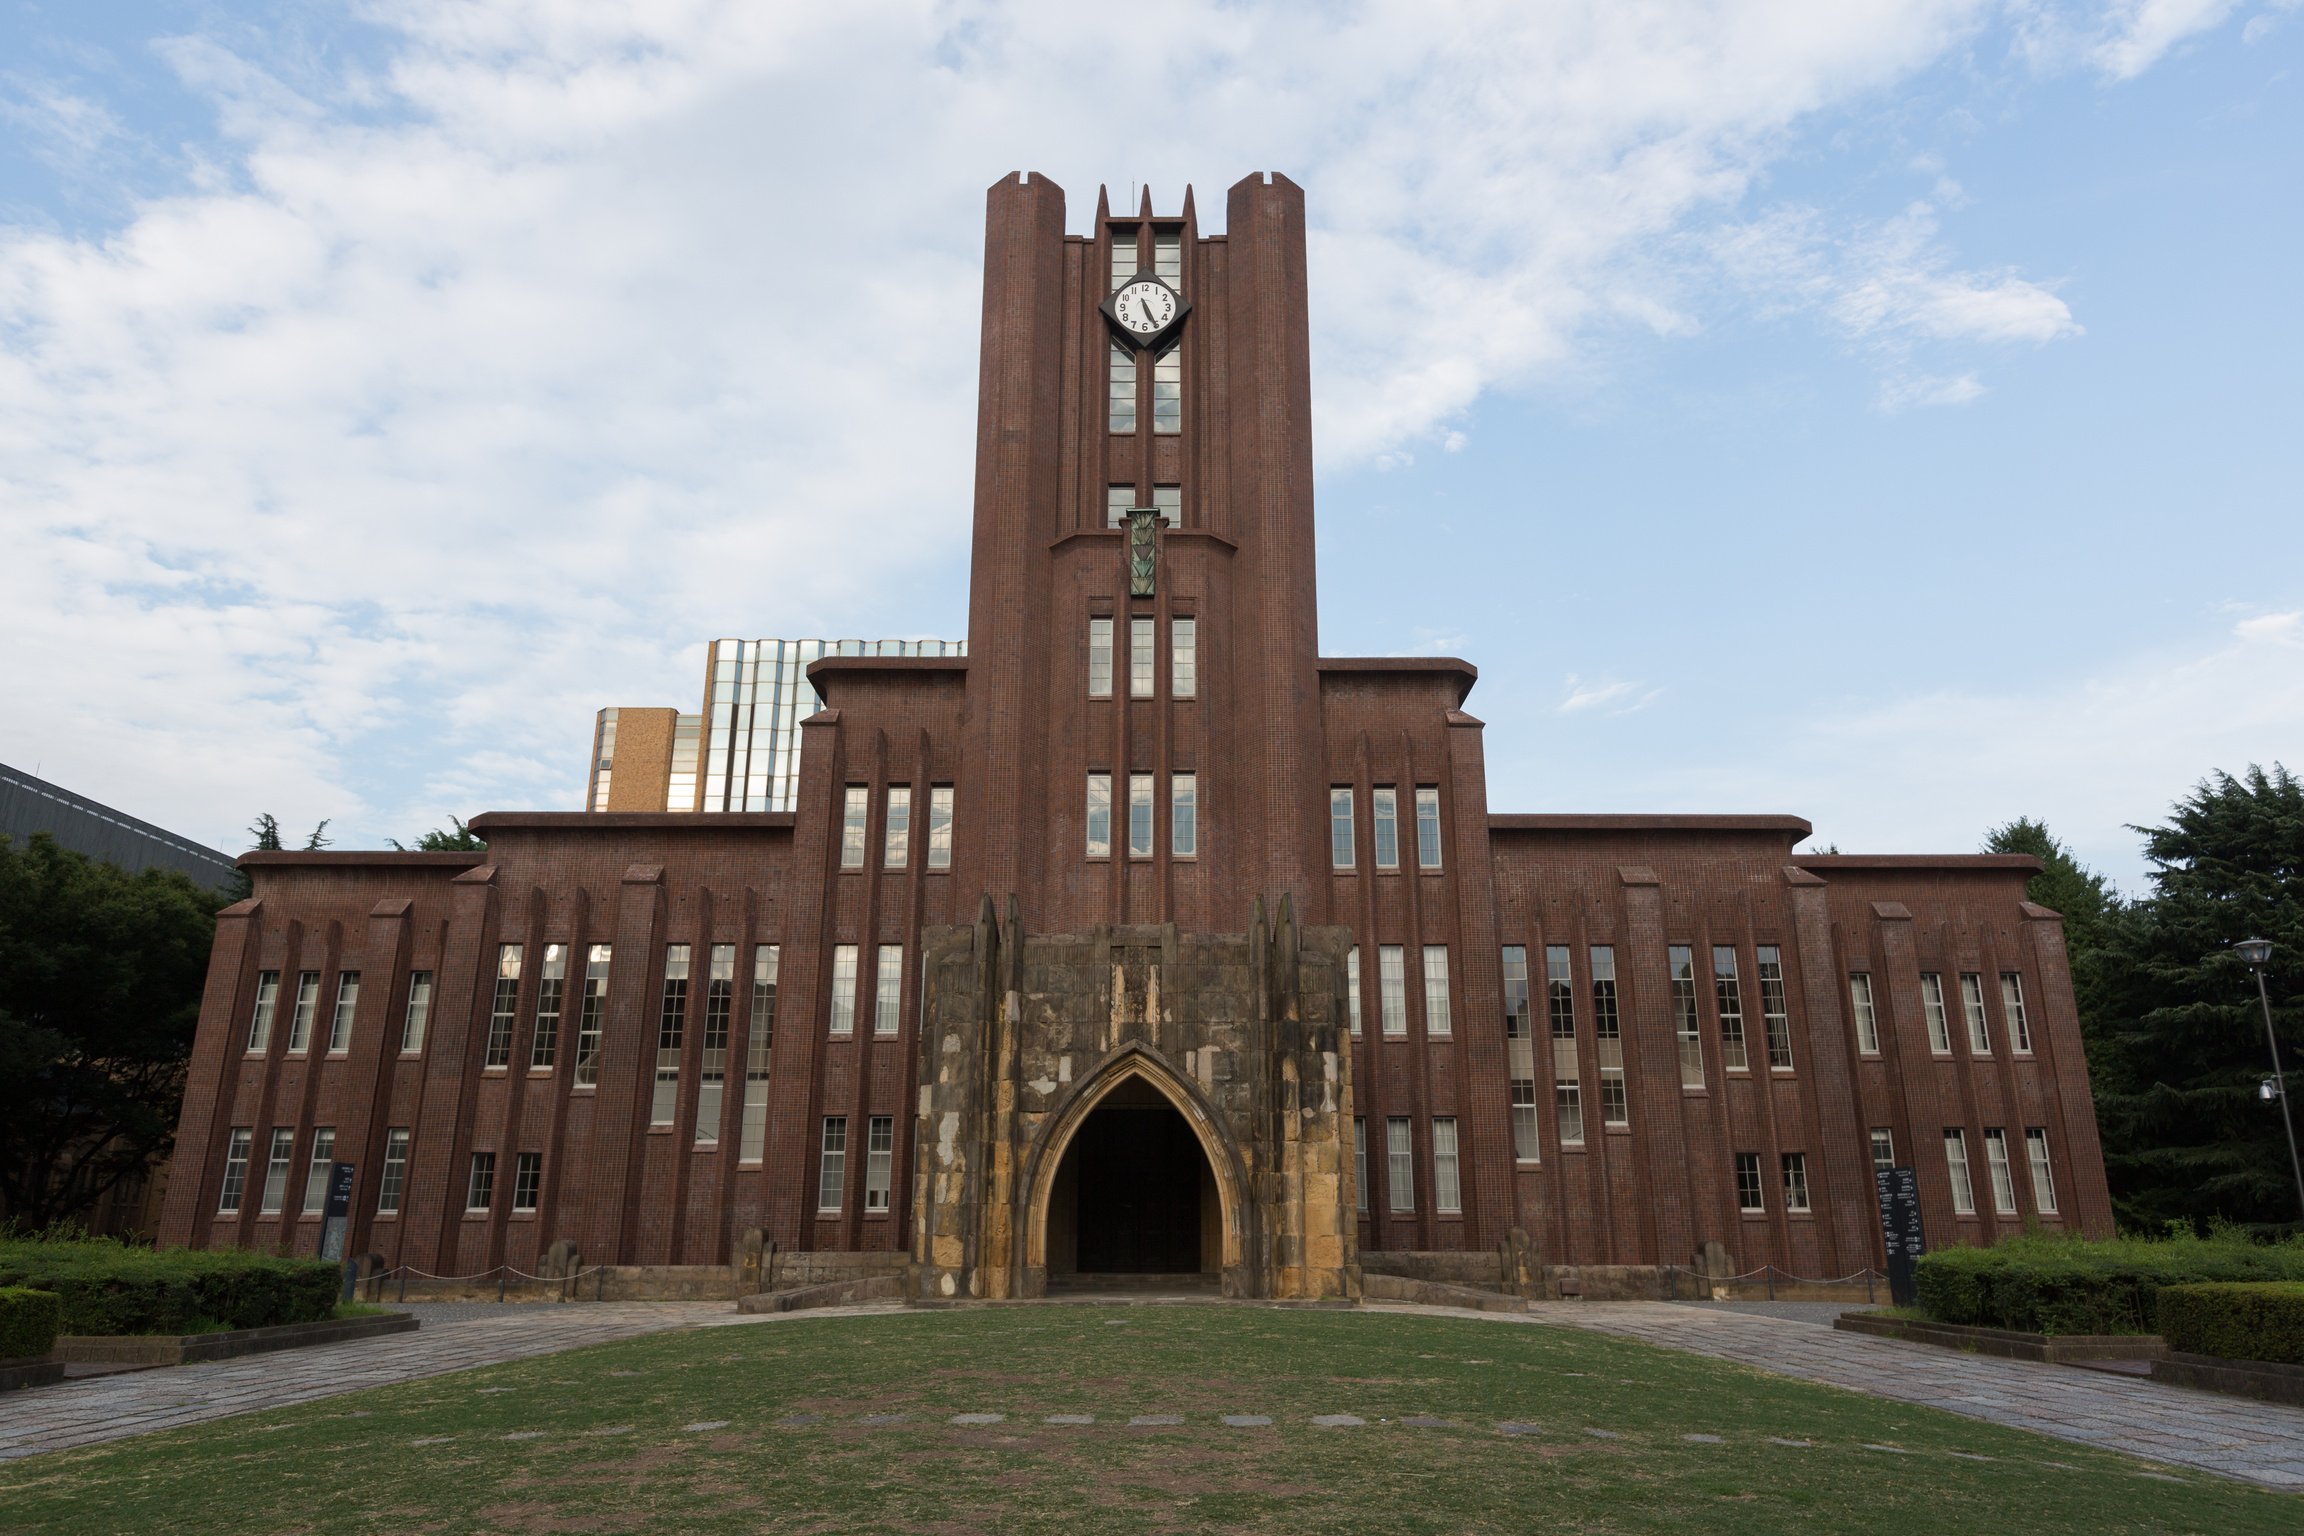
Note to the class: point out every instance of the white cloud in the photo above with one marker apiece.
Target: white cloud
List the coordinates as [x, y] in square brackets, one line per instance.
[453, 394]
[2140, 32]
[1610, 696]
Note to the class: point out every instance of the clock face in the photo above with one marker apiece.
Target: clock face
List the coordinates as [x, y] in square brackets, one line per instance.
[1144, 307]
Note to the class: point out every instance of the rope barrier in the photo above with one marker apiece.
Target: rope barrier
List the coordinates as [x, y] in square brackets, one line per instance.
[503, 1274]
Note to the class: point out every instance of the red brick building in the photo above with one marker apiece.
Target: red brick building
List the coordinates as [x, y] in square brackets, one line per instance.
[1143, 937]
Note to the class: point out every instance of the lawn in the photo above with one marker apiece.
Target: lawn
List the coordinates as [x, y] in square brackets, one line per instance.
[772, 1427]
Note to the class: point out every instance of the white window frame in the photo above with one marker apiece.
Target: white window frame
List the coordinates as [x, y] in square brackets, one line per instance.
[1143, 658]
[267, 1005]
[418, 1013]
[1439, 1012]
[1794, 1166]
[1143, 839]
[896, 828]
[2043, 1169]
[1933, 1010]
[832, 1165]
[855, 824]
[2002, 1171]
[306, 1009]
[939, 826]
[1864, 1010]
[1098, 822]
[279, 1157]
[1384, 824]
[2019, 1023]
[480, 1184]
[1360, 1163]
[318, 1159]
[1447, 1168]
[1343, 849]
[1428, 832]
[1183, 656]
[879, 1162]
[527, 1182]
[591, 1014]
[1687, 1013]
[888, 991]
[1883, 1148]
[347, 1004]
[1957, 1169]
[1972, 1009]
[1392, 989]
[1183, 816]
[843, 990]
[1400, 1164]
[233, 1191]
[759, 1051]
[1099, 657]
[1752, 1192]
[392, 1181]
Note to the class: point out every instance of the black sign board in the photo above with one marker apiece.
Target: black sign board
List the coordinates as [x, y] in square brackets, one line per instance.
[1899, 1191]
[336, 1213]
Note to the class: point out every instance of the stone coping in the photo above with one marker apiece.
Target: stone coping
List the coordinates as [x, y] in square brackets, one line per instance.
[35, 1371]
[2267, 1380]
[2051, 1348]
[185, 1349]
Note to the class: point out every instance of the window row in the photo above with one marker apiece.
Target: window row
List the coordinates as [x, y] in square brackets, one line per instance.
[895, 826]
[1144, 657]
[1127, 397]
[1142, 809]
[879, 1163]
[2015, 1021]
[1400, 1165]
[1384, 826]
[392, 1183]
[2001, 1171]
[305, 1011]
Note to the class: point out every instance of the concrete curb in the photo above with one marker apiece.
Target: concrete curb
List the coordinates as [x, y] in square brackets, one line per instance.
[192, 1348]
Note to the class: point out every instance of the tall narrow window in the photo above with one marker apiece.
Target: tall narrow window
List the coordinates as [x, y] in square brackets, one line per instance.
[307, 1004]
[1972, 1006]
[419, 1012]
[1392, 987]
[1400, 1163]
[1567, 1081]
[1168, 501]
[888, 991]
[276, 1169]
[527, 1180]
[1520, 1052]
[2003, 1176]
[1795, 1181]
[1340, 852]
[1932, 1008]
[1099, 658]
[1385, 818]
[671, 1020]
[316, 1167]
[2043, 1173]
[551, 994]
[1099, 815]
[879, 1161]
[1168, 390]
[504, 1006]
[1183, 657]
[896, 841]
[1751, 1197]
[480, 1186]
[843, 989]
[235, 1168]
[1119, 501]
[1140, 815]
[590, 1010]
[1168, 256]
[1427, 827]
[1439, 1014]
[395, 1174]
[267, 1000]
[1447, 1181]
[1143, 659]
[340, 1022]
[712, 1059]
[1359, 1162]
[1867, 1020]
[1352, 988]
[757, 1053]
[1608, 1038]
[1684, 1017]
[1729, 996]
[1184, 815]
[940, 826]
[832, 1170]
[1122, 412]
[1774, 1014]
[1956, 1165]
[1883, 1149]
[1568, 1102]
[855, 811]
[2012, 1009]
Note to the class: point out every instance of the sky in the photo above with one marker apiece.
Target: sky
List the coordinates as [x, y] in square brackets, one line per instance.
[1883, 411]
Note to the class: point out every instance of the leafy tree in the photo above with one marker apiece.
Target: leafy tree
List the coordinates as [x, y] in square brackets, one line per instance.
[438, 840]
[2085, 897]
[100, 979]
[2180, 1054]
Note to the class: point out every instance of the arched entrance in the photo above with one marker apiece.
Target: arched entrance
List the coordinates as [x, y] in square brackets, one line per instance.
[1133, 1195]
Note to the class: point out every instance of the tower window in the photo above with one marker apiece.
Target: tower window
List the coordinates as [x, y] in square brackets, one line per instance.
[1183, 657]
[1140, 815]
[1099, 815]
[1099, 658]
[832, 1171]
[1387, 825]
[1439, 1017]
[1168, 391]
[1392, 987]
[1170, 500]
[1729, 995]
[235, 1172]
[853, 811]
[1184, 815]
[1683, 961]
[1400, 1159]
[843, 989]
[1123, 398]
[1932, 1006]
[896, 840]
[1340, 826]
[888, 991]
[1168, 256]
[1867, 1017]
[940, 826]
[1447, 1181]
[1427, 826]
[1143, 658]
[671, 1020]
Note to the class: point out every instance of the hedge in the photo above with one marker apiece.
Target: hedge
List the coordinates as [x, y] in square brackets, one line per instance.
[2239, 1322]
[2072, 1286]
[28, 1321]
[108, 1287]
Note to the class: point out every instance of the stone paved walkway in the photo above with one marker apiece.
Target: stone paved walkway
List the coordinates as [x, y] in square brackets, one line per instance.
[452, 1338]
[2236, 1436]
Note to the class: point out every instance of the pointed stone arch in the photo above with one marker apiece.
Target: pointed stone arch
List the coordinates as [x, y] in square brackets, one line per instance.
[1134, 1062]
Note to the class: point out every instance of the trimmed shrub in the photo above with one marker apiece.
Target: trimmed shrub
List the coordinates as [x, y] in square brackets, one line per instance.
[28, 1321]
[2061, 1285]
[108, 1287]
[2238, 1322]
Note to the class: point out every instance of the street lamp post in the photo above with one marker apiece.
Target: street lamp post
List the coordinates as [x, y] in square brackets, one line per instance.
[2255, 953]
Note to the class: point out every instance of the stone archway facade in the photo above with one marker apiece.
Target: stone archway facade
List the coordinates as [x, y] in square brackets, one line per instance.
[1024, 1036]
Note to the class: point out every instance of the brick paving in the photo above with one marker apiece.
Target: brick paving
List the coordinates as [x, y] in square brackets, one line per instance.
[452, 1338]
[2235, 1436]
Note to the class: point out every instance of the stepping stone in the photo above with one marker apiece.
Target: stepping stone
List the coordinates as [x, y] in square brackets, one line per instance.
[703, 1424]
[885, 1418]
[1156, 1418]
[1513, 1427]
[978, 1418]
[798, 1420]
[1069, 1418]
[1802, 1444]
[1338, 1420]
[525, 1434]
[490, 1391]
[613, 1429]
[1703, 1439]
[1893, 1450]
[1426, 1421]
[1246, 1420]
[1603, 1434]
[433, 1440]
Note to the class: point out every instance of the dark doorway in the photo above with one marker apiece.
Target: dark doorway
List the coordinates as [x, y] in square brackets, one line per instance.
[1134, 1195]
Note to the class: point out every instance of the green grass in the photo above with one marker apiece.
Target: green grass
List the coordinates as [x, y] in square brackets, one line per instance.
[350, 1464]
